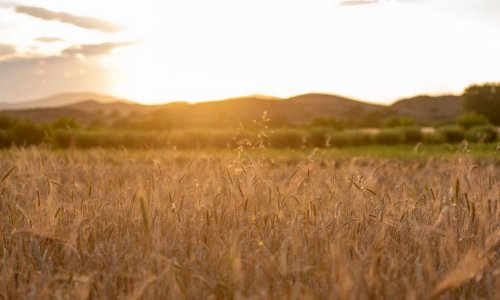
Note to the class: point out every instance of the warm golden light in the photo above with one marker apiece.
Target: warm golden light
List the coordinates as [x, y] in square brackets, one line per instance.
[375, 52]
[198, 50]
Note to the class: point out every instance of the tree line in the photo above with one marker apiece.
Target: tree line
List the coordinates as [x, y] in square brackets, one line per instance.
[481, 105]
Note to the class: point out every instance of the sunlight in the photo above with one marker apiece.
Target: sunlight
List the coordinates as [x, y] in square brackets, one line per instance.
[208, 50]
[200, 52]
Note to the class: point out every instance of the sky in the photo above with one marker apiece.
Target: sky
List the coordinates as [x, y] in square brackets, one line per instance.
[154, 51]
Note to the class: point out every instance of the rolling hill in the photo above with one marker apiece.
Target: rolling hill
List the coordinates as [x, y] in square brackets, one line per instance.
[86, 107]
[62, 100]
[428, 108]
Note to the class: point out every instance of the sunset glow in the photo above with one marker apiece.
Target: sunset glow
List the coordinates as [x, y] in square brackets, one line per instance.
[159, 51]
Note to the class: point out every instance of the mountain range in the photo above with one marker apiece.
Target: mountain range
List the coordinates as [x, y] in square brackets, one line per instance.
[85, 107]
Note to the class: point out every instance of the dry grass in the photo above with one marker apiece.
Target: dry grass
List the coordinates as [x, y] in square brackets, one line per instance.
[82, 225]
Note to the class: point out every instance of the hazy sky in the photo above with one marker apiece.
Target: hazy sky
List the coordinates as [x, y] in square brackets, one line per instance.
[164, 50]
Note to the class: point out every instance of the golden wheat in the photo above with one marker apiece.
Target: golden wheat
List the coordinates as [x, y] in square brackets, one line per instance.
[104, 225]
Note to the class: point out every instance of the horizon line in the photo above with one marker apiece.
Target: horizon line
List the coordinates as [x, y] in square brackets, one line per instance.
[255, 95]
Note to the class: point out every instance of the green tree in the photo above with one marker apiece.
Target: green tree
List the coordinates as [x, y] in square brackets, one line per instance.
[472, 119]
[398, 122]
[483, 99]
[27, 133]
[66, 123]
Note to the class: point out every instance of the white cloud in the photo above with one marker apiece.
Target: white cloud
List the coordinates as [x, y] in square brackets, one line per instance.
[63, 17]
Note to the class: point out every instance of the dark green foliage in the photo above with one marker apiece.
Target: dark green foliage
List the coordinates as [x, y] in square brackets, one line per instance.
[340, 139]
[484, 100]
[127, 139]
[92, 139]
[190, 139]
[64, 133]
[369, 119]
[65, 123]
[327, 123]
[433, 138]
[398, 122]
[411, 134]
[63, 138]
[452, 134]
[483, 134]
[318, 137]
[352, 138]
[389, 137]
[472, 119]
[359, 138]
[6, 138]
[286, 139]
[27, 133]
[158, 120]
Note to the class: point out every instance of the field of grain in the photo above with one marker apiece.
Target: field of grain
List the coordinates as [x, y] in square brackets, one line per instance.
[104, 225]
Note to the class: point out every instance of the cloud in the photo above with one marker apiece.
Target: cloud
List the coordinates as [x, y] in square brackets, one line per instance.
[80, 21]
[49, 39]
[28, 78]
[94, 49]
[357, 2]
[6, 50]
[53, 74]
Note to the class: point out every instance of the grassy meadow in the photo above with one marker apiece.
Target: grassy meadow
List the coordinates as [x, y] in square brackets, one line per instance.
[104, 224]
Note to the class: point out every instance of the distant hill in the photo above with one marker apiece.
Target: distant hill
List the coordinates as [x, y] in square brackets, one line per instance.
[296, 110]
[123, 108]
[86, 107]
[325, 105]
[50, 114]
[429, 108]
[62, 100]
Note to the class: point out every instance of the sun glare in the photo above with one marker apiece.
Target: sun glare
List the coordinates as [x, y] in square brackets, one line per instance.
[196, 53]
[207, 50]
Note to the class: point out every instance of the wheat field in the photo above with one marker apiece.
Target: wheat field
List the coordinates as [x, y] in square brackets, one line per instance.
[160, 225]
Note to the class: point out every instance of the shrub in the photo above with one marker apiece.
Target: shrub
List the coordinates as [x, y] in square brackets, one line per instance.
[339, 139]
[389, 137]
[351, 138]
[327, 122]
[6, 138]
[286, 139]
[27, 133]
[412, 134]
[357, 138]
[452, 134]
[483, 99]
[472, 119]
[433, 138]
[62, 138]
[134, 140]
[190, 139]
[484, 134]
[398, 122]
[318, 137]
[93, 139]
[65, 123]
